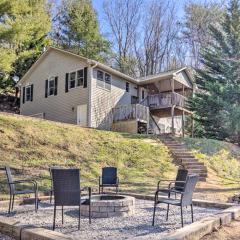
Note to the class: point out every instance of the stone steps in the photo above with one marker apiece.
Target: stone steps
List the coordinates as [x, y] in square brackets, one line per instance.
[184, 157]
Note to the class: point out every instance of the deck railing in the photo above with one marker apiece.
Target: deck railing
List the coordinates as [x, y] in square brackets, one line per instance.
[132, 111]
[162, 100]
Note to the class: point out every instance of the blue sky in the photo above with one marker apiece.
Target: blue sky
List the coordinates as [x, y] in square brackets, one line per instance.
[98, 6]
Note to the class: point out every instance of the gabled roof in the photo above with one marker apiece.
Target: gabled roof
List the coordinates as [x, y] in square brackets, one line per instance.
[167, 75]
[88, 61]
[139, 81]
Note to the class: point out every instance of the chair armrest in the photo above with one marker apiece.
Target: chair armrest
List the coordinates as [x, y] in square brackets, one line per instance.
[25, 181]
[169, 186]
[168, 190]
[117, 180]
[163, 180]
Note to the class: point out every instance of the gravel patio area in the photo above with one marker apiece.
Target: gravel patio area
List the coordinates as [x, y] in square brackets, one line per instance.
[138, 225]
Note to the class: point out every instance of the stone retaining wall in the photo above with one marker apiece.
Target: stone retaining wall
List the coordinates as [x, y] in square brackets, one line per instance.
[197, 230]
[14, 229]
[194, 231]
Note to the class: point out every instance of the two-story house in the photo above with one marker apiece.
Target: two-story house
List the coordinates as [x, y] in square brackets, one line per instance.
[65, 87]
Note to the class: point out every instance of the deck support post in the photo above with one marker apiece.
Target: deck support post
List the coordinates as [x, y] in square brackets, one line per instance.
[183, 124]
[172, 114]
[192, 126]
[172, 108]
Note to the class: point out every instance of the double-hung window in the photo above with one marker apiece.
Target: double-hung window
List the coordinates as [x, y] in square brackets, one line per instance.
[76, 79]
[107, 81]
[72, 80]
[51, 86]
[80, 77]
[28, 93]
[104, 80]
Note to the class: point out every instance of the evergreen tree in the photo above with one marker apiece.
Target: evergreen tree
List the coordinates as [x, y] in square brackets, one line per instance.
[217, 103]
[24, 26]
[76, 29]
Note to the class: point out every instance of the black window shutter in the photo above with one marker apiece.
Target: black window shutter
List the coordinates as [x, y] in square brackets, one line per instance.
[32, 92]
[56, 85]
[85, 77]
[46, 88]
[23, 95]
[66, 82]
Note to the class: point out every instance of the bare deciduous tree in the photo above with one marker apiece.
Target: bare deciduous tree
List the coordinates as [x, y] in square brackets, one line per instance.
[123, 17]
[160, 31]
[198, 18]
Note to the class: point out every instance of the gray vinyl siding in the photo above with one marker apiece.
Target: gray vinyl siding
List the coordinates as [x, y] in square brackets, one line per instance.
[63, 106]
[103, 100]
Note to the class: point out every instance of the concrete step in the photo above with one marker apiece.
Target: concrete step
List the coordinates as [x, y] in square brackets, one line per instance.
[193, 167]
[175, 148]
[182, 152]
[183, 156]
[193, 164]
[198, 171]
[190, 159]
[172, 142]
[168, 141]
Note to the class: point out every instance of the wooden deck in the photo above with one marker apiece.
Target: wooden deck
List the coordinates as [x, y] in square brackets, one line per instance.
[131, 112]
[164, 100]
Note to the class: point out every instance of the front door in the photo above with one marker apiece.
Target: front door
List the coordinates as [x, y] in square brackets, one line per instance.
[82, 115]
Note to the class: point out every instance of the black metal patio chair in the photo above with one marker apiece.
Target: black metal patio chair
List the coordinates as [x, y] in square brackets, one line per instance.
[185, 199]
[177, 184]
[109, 178]
[67, 192]
[51, 179]
[13, 191]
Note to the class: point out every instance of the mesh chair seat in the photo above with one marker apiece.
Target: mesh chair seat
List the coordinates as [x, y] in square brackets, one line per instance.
[171, 201]
[170, 190]
[109, 185]
[25, 191]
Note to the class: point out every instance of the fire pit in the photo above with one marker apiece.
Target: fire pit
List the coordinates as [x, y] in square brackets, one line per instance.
[104, 206]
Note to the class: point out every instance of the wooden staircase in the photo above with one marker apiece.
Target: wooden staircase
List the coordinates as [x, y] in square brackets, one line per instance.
[182, 157]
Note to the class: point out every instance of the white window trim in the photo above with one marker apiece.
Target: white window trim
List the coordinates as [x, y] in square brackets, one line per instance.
[76, 79]
[104, 82]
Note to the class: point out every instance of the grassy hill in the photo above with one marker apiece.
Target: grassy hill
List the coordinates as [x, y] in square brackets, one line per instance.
[31, 146]
[223, 162]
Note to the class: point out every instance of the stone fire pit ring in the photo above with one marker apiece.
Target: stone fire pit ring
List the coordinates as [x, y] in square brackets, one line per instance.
[104, 206]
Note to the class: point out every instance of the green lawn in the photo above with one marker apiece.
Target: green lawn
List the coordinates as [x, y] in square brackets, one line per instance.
[222, 157]
[32, 145]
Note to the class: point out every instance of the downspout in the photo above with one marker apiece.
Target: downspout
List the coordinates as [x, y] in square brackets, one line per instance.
[90, 80]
